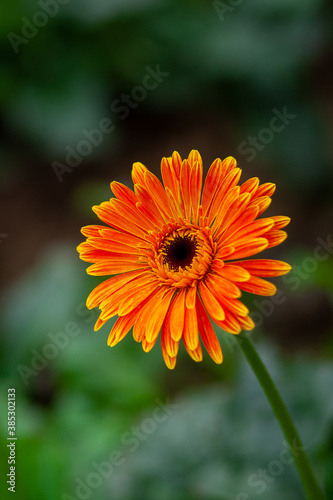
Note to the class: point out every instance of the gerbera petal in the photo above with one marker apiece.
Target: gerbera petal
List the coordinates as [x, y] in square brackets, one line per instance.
[138, 173]
[195, 188]
[211, 184]
[233, 272]
[275, 238]
[111, 217]
[196, 354]
[222, 286]
[280, 221]
[177, 315]
[190, 333]
[135, 297]
[107, 267]
[147, 200]
[250, 186]
[246, 322]
[123, 193]
[92, 230]
[121, 328]
[244, 250]
[144, 315]
[157, 316]
[208, 335]
[266, 189]
[262, 203]
[211, 304]
[258, 286]
[110, 286]
[168, 343]
[229, 324]
[157, 192]
[249, 231]
[185, 174]
[264, 267]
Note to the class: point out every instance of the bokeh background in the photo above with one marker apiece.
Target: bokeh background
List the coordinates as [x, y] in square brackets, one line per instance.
[90, 419]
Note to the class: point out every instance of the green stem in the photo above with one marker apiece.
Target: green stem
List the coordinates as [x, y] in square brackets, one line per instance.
[310, 483]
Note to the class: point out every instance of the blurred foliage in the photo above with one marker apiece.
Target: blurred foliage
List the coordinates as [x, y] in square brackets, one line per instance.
[242, 62]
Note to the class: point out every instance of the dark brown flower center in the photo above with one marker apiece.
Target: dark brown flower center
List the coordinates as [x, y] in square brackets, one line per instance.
[179, 252]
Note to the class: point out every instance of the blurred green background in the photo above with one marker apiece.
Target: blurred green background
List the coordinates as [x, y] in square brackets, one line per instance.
[169, 76]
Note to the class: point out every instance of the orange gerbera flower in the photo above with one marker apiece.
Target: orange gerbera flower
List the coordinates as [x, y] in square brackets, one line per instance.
[174, 254]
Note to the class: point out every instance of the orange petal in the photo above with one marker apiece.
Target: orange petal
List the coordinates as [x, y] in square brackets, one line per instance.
[169, 361]
[110, 286]
[236, 208]
[233, 272]
[108, 268]
[236, 307]
[127, 239]
[123, 193]
[212, 182]
[264, 267]
[212, 306]
[156, 190]
[138, 173]
[196, 354]
[208, 335]
[108, 215]
[144, 314]
[280, 221]
[99, 323]
[251, 230]
[191, 296]
[131, 214]
[147, 200]
[113, 246]
[137, 295]
[169, 177]
[176, 163]
[222, 286]
[195, 187]
[229, 324]
[194, 157]
[169, 345]
[246, 322]
[92, 230]
[147, 346]
[266, 189]
[245, 250]
[250, 186]
[190, 333]
[121, 327]
[258, 286]
[275, 238]
[223, 189]
[185, 174]
[262, 203]
[155, 321]
[177, 315]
